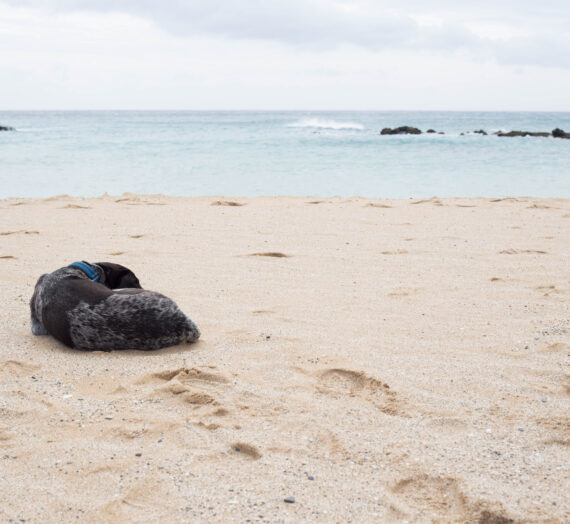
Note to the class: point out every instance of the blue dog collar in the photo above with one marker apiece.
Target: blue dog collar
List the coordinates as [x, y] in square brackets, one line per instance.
[88, 269]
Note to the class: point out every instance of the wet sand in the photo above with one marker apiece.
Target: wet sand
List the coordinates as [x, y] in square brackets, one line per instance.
[376, 360]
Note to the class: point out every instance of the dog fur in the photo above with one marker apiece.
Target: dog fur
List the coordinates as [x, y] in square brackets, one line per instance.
[114, 313]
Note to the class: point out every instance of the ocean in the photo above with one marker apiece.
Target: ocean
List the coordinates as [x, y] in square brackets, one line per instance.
[251, 153]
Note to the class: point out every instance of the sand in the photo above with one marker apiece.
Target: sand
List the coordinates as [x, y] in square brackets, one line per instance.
[377, 360]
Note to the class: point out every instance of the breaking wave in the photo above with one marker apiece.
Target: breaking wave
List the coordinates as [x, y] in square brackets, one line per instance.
[319, 123]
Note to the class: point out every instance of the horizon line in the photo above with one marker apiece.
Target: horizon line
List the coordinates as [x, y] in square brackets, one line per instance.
[303, 110]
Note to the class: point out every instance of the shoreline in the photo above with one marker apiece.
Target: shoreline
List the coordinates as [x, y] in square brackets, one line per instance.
[229, 197]
[375, 359]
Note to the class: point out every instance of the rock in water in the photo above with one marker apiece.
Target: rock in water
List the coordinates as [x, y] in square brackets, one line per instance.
[523, 133]
[559, 133]
[6, 128]
[404, 130]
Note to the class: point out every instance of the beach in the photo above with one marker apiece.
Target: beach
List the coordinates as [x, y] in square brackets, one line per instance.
[361, 360]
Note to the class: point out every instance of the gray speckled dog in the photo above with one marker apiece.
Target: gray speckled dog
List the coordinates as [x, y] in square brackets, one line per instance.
[103, 307]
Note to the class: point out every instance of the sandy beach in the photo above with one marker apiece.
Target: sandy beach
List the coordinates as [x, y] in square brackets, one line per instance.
[375, 360]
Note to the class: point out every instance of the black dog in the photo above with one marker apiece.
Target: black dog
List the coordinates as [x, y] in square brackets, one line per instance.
[103, 307]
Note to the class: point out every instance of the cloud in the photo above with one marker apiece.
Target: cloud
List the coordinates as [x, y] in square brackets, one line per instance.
[454, 27]
[297, 22]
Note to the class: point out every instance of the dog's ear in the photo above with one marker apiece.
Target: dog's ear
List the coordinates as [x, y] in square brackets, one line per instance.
[117, 276]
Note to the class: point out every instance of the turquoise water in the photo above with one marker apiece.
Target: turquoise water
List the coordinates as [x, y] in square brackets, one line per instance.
[280, 153]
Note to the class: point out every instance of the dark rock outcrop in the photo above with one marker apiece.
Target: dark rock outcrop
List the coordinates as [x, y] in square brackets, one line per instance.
[559, 133]
[523, 133]
[404, 130]
[6, 128]
[481, 132]
[431, 131]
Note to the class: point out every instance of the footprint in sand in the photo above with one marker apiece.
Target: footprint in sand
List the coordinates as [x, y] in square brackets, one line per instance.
[246, 450]
[325, 440]
[137, 201]
[381, 206]
[402, 292]
[340, 383]
[185, 375]
[227, 203]
[558, 429]
[395, 252]
[19, 369]
[6, 233]
[274, 254]
[74, 206]
[522, 252]
[144, 501]
[548, 290]
[507, 199]
[433, 200]
[190, 385]
[186, 394]
[145, 430]
[427, 494]
[58, 198]
[558, 347]
[101, 386]
[6, 438]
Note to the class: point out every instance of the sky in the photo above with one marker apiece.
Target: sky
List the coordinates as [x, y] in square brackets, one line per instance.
[285, 54]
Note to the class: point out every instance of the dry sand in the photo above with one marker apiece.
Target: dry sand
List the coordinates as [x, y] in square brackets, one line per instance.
[406, 361]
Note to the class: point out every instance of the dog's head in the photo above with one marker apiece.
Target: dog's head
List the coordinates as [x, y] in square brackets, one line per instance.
[117, 276]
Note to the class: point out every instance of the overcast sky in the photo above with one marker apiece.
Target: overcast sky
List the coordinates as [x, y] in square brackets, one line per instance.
[285, 54]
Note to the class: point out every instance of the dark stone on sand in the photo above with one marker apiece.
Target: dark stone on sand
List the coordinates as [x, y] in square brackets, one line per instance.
[289, 500]
[523, 133]
[6, 128]
[559, 133]
[481, 132]
[403, 130]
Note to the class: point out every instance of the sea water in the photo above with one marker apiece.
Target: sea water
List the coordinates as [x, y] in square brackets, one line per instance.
[250, 153]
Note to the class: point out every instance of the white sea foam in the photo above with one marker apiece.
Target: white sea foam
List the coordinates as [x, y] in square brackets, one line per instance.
[320, 123]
